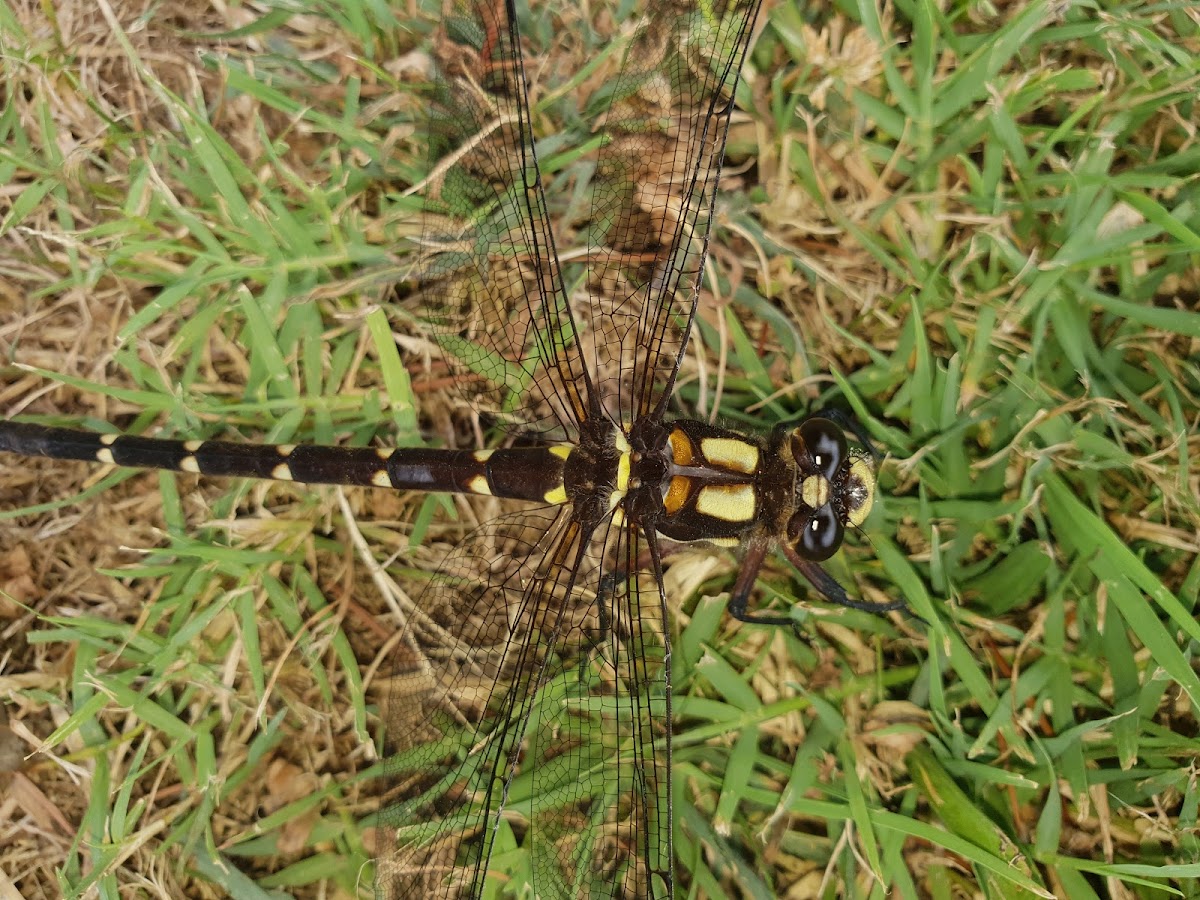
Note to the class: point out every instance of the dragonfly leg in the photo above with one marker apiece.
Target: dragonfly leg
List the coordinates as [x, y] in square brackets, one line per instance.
[594, 639]
[740, 600]
[738, 609]
[606, 590]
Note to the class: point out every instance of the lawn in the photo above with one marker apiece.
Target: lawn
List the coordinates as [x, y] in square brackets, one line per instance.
[974, 226]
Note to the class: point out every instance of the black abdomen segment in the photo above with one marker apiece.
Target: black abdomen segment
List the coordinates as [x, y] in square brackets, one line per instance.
[534, 473]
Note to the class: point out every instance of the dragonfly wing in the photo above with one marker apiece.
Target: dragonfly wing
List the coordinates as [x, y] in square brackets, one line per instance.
[599, 757]
[491, 631]
[489, 276]
[667, 120]
[534, 710]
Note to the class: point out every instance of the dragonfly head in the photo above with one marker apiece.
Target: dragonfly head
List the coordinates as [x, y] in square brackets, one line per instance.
[835, 488]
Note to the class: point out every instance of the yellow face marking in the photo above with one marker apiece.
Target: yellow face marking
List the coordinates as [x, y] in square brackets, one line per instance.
[677, 494]
[385, 453]
[727, 502]
[562, 451]
[814, 491]
[479, 485]
[109, 439]
[614, 499]
[860, 471]
[189, 464]
[105, 456]
[192, 446]
[281, 472]
[681, 448]
[621, 442]
[381, 479]
[285, 449]
[730, 453]
[481, 456]
[618, 517]
[556, 495]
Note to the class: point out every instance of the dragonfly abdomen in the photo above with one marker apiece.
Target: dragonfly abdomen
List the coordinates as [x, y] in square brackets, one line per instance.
[534, 473]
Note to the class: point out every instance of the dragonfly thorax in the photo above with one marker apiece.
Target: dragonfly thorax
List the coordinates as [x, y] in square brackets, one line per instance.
[694, 481]
[704, 483]
[597, 474]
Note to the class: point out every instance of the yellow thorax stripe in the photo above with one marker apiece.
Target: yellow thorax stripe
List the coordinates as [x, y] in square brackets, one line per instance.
[727, 502]
[731, 453]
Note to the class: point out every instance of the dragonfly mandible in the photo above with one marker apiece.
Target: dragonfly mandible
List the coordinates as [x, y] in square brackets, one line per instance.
[544, 639]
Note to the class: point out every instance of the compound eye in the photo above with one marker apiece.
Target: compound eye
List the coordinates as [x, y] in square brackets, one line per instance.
[817, 534]
[826, 444]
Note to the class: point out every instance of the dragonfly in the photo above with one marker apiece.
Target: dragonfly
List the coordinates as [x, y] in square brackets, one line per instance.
[543, 642]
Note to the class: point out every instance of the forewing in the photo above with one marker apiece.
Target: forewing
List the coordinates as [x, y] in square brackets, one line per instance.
[667, 120]
[490, 276]
[489, 272]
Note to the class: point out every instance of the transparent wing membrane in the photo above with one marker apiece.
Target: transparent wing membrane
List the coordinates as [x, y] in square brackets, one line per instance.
[492, 282]
[666, 124]
[545, 720]
[542, 726]
[458, 720]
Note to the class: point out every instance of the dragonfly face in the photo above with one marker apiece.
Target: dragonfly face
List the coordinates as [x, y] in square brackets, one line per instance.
[835, 488]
